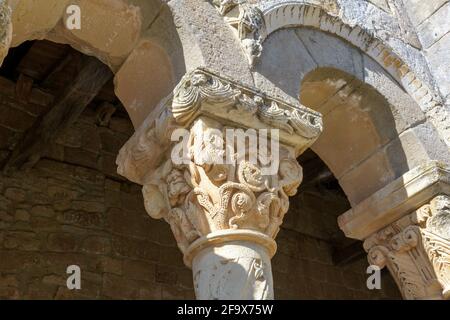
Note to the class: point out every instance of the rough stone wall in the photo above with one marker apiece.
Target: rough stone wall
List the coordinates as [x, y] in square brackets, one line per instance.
[72, 208]
[303, 269]
[431, 20]
[59, 214]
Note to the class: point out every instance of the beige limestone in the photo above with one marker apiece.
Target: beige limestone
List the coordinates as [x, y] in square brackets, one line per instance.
[392, 202]
[415, 249]
[147, 64]
[150, 45]
[219, 271]
[406, 228]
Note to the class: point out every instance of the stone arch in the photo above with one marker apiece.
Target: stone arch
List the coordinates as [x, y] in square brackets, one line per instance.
[301, 13]
[118, 33]
[397, 134]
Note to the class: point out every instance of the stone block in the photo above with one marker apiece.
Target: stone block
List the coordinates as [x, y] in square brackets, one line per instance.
[22, 240]
[166, 275]
[116, 287]
[135, 249]
[435, 27]
[151, 292]
[81, 218]
[15, 119]
[110, 265]
[96, 245]
[439, 65]
[81, 157]
[42, 211]
[15, 194]
[172, 293]
[420, 10]
[62, 242]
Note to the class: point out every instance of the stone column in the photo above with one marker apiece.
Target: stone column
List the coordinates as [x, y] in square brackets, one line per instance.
[414, 239]
[224, 198]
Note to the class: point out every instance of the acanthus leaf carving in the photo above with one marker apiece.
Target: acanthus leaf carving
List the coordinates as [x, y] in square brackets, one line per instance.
[221, 194]
[5, 29]
[202, 198]
[416, 252]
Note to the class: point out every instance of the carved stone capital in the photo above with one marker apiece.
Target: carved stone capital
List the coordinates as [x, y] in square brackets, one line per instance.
[416, 250]
[224, 197]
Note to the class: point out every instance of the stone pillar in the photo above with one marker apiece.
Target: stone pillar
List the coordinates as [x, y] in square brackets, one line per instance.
[224, 198]
[414, 239]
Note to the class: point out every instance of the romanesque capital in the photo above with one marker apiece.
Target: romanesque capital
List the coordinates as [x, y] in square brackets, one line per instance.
[416, 249]
[209, 200]
[217, 161]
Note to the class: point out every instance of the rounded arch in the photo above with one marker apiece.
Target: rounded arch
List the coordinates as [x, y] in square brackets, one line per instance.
[301, 13]
[361, 139]
[374, 131]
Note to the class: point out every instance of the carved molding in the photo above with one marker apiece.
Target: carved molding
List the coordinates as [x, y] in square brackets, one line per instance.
[239, 271]
[416, 251]
[203, 93]
[397, 199]
[248, 21]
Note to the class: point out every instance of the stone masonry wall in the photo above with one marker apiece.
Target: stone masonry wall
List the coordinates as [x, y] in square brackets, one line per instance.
[303, 269]
[59, 214]
[72, 208]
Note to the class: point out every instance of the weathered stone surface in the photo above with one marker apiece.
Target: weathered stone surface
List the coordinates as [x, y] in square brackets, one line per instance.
[438, 65]
[6, 29]
[420, 10]
[146, 64]
[435, 27]
[360, 63]
[412, 247]
[29, 25]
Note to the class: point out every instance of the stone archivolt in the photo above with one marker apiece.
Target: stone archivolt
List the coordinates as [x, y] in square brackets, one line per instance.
[197, 198]
[415, 249]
